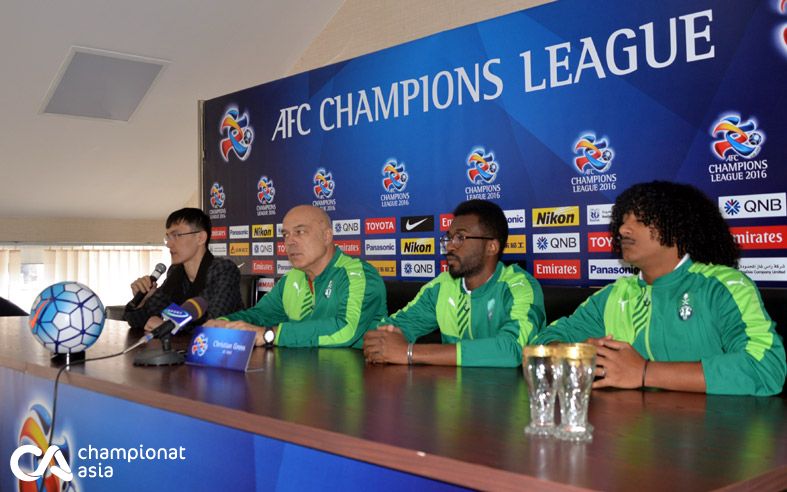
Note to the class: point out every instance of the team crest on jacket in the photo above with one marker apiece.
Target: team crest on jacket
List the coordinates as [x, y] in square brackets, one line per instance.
[685, 309]
[329, 290]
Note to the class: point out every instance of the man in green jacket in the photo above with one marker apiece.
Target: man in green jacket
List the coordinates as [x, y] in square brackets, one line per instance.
[485, 311]
[328, 299]
[690, 321]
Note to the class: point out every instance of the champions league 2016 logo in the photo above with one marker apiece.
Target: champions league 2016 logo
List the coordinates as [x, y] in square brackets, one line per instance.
[593, 159]
[36, 472]
[265, 190]
[238, 135]
[736, 137]
[265, 194]
[737, 143]
[483, 168]
[323, 184]
[482, 172]
[200, 345]
[593, 156]
[217, 196]
[323, 187]
[395, 179]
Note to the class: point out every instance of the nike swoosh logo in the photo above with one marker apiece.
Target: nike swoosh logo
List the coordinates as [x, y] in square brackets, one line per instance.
[735, 282]
[412, 226]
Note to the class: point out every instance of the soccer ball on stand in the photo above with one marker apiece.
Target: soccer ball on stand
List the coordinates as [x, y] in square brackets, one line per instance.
[67, 318]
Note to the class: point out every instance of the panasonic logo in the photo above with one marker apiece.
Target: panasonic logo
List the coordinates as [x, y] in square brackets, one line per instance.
[376, 247]
[610, 269]
[239, 232]
[515, 218]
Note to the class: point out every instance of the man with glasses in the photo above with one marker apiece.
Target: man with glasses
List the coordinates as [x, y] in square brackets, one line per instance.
[328, 299]
[485, 311]
[194, 273]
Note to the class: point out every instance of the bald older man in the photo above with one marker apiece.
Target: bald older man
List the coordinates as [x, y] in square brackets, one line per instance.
[328, 299]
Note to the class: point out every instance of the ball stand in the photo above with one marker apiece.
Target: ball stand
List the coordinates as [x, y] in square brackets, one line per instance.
[68, 358]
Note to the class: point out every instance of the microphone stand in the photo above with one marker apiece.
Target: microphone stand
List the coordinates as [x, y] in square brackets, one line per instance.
[164, 356]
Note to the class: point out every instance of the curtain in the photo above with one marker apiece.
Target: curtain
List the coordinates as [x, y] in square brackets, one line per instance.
[107, 270]
[10, 272]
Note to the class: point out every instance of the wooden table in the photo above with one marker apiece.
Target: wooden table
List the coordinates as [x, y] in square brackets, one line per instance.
[462, 426]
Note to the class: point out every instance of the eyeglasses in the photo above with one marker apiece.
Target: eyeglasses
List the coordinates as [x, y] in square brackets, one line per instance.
[176, 235]
[458, 239]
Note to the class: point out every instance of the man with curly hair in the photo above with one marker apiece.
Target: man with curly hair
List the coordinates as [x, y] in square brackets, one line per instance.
[690, 321]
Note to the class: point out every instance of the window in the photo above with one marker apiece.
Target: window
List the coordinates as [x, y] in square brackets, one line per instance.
[26, 270]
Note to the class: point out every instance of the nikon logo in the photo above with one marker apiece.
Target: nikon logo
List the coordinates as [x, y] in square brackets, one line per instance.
[259, 231]
[556, 217]
[418, 246]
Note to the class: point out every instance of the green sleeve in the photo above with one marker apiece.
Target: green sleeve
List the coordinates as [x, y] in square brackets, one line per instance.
[361, 304]
[586, 322]
[268, 311]
[419, 316]
[753, 362]
[524, 305]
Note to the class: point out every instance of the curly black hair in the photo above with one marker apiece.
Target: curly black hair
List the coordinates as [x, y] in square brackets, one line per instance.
[491, 218]
[683, 216]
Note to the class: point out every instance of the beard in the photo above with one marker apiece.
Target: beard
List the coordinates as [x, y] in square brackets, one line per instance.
[465, 267]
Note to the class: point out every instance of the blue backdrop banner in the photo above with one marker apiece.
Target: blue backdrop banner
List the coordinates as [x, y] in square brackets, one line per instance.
[550, 112]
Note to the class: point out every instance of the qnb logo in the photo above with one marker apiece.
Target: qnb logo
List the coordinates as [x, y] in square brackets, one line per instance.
[265, 190]
[323, 184]
[217, 196]
[592, 155]
[61, 470]
[736, 137]
[732, 207]
[483, 168]
[542, 243]
[238, 135]
[394, 176]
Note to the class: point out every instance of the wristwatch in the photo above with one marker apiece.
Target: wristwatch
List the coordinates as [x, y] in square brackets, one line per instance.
[268, 336]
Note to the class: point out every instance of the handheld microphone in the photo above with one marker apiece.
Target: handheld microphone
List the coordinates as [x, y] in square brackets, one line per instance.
[175, 317]
[157, 272]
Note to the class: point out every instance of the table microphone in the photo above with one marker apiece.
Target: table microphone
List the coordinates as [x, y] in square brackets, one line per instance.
[157, 272]
[175, 317]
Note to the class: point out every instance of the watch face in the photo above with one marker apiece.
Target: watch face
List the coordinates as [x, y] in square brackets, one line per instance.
[269, 335]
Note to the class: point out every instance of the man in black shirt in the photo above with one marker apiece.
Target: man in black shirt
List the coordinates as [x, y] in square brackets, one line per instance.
[194, 272]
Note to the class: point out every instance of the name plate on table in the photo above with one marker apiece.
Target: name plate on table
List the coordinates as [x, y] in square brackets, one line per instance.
[221, 347]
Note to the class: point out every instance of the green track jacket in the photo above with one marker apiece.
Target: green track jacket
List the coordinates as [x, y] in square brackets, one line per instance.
[348, 299]
[505, 313]
[698, 312]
